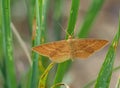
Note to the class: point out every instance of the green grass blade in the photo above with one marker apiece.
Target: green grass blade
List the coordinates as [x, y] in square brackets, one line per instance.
[36, 41]
[43, 78]
[116, 68]
[1, 41]
[43, 62]
[118, 83]
[90, 17]
[25, 80]
[10, 79]
[73, 17]
[105, 73]
[44, 9]
[62, 67]
[89, 84]
[41, 10]
[1, 79]
[1, 47]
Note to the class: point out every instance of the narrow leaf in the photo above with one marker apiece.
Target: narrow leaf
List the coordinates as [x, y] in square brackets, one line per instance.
[10, 77]
[43, 78]
[105, 73]
[118, 83]
[41, 10]
[36, 41]
[89, 84]
[60, 84]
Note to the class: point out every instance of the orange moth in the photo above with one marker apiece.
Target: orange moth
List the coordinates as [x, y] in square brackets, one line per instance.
[63, 50]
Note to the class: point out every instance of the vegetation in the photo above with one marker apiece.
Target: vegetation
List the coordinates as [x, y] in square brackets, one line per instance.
[39, 73]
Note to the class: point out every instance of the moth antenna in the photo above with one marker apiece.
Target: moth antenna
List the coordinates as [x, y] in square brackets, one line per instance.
[64, 30]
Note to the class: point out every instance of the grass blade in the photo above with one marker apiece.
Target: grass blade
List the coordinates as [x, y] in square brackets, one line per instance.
[10, 76]
[41, 10]
[90, 17]
[118, 83]
[60, 84]
[62, 67]
[89, 84]
[36, 41]
[43, 78]
[44, 7]
[105, 73]
[25, 79]
[1, 48]
[1, 79]
[22, 43]
[73, 17]
[1, 43]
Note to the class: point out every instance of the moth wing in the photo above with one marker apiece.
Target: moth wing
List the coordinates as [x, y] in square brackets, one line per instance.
[85, 47]
[56, 51]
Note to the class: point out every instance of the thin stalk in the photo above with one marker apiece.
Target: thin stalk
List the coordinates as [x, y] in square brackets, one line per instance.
[89, 84]
[118, 83]
[22, 43]
[104, 76]
[43, 77]
[36, 41]
[60, 84]
[8, 49]
[44, 8]
[1, 43]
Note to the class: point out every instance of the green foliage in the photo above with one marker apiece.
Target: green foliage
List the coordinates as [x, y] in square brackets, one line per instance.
[1, 52]
[118, 84]
[9, 69]
[41, 10]
[105, 73]
[36, 41]
[43, 77]
[89, 84]
[37, 10]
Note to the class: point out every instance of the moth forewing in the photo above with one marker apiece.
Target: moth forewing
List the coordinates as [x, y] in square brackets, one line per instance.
[86, 47]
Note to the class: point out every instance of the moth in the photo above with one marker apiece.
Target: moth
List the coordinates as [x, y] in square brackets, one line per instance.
[63, 50]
